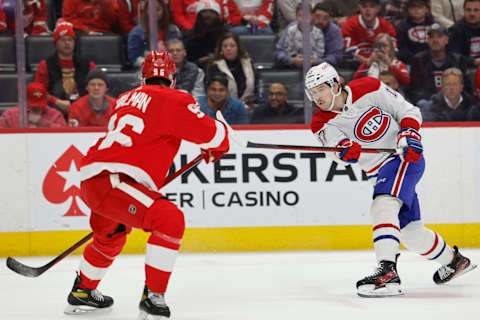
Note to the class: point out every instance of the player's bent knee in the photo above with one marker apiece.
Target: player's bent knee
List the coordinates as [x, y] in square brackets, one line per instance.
[385, 208]
[413, 235]
[164, 217]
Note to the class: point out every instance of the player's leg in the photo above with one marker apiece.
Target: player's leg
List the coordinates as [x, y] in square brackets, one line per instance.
[430, 245]
[393, 191]
[166, 222]
[108, 241]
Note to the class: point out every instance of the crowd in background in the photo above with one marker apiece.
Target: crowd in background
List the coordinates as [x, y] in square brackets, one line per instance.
[427, 50]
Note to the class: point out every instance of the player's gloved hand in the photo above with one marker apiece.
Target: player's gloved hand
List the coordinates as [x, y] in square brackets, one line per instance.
[409, 140]
[351, 151]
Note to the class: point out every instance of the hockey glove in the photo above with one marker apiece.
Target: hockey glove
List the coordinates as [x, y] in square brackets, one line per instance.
[409, 140]
[351, 151]
[212, 155]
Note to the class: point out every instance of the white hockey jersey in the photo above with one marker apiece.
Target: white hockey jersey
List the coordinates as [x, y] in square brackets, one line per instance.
[372, 116]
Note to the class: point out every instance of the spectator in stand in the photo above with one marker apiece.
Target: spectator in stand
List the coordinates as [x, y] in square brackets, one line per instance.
[285, 12]
[138, 38]
[64, 73]
[389, 79]
[466, 33]
[94, 108]
[249, 17]
[289, 48]
[331, 32]
[184, 12]
[231, 58]
[217, 98]
[447, 12]
[359, 32]
[342, 10]
[427, 66]
[383, 58]
[475, 115]
[201, 40]
[452, 103]
[276, 109]
[34, 17]
[39, 114]
[412, 32]
[91, 17]
[188, 76]
[3, 23]
[395, 11]
[129, 13]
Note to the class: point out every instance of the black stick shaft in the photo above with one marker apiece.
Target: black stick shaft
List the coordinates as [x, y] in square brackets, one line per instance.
[313, 148]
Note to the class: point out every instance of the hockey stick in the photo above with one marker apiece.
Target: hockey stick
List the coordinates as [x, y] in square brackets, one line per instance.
[248, 144]
[32, 272]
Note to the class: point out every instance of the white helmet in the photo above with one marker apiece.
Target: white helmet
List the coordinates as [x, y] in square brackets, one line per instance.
[317, 75]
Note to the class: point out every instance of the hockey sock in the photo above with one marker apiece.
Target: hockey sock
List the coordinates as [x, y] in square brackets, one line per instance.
[428, 243]
[386, 230]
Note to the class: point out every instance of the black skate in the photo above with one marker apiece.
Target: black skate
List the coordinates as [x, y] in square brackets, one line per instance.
[153, 306]
[457, 267]
[385, 282]
[86, 300]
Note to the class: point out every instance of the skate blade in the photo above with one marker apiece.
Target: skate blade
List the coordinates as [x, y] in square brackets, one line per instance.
[147, 316]
[79, 310]
[390, 290]
[467, 269]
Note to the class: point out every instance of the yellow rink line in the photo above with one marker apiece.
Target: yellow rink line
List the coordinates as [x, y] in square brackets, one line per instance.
[233, 239]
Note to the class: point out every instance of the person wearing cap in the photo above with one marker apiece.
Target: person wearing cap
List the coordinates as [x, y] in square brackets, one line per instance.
[94, 108]
[217, 98]
[91, 17]
[39, 114]
[249, 17]
[412, 31]
[359, 31]
[138, 38]
[184, 12]
[466, 33]
[64, 73]
[427, 66]
[200, 41]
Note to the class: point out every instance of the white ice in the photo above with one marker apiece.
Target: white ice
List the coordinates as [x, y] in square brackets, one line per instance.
[263, 286]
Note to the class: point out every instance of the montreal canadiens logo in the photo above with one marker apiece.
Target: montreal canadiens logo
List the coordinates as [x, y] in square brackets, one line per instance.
[372, 125]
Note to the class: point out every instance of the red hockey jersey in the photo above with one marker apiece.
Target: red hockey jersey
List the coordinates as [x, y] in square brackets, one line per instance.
[358, 38]
[145, 131]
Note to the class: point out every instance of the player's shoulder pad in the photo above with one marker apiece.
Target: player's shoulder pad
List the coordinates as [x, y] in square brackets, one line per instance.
[320, 118]
[363, 86]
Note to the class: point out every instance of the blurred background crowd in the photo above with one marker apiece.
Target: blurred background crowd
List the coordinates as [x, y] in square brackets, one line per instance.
[244, 57]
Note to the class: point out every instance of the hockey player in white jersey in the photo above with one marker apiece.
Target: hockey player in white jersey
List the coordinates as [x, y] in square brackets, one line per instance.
[368, 113]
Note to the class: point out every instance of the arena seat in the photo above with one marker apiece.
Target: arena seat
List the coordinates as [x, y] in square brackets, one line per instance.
[107, 51]
[261, 49]
[8, 83]
[7, 54]
[291, 79]
[38, 48]
[121, 82]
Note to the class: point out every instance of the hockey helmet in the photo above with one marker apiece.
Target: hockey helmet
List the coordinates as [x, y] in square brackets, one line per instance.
[158, 64]
[322, 73]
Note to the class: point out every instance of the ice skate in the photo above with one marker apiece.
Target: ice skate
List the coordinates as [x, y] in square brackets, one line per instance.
[153, 306]
[385, 282]
[457, 267]
[86, 300]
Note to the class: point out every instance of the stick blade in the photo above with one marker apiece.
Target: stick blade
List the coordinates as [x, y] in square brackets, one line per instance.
[242, 142]
[22, 269]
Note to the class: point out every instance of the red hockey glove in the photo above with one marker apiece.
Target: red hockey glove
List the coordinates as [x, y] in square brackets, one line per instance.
[409, 140]
[213, 154]
[351, 151]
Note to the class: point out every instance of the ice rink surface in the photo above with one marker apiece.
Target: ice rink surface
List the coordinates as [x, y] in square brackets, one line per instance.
[254, 286]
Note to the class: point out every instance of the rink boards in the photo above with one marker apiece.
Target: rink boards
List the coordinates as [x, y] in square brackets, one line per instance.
[251, 200]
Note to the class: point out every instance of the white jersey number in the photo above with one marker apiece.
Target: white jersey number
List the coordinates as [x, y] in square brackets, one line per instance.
[115, 133]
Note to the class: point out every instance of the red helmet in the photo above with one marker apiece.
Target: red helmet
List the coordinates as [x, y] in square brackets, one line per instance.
[158, 64]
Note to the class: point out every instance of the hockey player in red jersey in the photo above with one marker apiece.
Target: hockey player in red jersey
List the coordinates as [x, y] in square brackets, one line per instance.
[121, 175]
[365, 113]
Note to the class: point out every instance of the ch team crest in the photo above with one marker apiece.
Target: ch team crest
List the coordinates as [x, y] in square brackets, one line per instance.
[372, 125]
